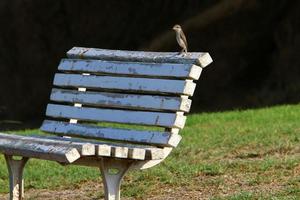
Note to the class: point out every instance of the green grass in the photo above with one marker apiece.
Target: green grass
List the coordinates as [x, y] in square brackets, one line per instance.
[251, 154]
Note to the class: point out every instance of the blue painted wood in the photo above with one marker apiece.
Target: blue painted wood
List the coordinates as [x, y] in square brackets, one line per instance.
[171, 120]
[156, 138]
[122, 100]
[134, 69]
[140, 85]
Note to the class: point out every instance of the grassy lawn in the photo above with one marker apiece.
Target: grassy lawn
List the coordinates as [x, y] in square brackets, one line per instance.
[251, 154]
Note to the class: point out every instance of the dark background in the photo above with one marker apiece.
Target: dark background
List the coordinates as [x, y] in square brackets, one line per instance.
[255, 46]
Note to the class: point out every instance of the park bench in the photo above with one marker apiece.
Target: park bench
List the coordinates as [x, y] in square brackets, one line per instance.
[97, 90]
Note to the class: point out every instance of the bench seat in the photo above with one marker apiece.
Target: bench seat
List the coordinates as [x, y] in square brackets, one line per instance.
[68, 150]
[116, 149]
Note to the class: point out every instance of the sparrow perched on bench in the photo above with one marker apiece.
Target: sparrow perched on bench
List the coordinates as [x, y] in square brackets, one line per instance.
[180, 37]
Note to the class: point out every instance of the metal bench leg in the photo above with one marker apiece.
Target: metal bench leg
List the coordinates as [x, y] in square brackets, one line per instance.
[16, 182]
[112, 173]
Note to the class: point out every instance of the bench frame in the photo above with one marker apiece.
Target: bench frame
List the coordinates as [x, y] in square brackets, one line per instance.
[16, 181]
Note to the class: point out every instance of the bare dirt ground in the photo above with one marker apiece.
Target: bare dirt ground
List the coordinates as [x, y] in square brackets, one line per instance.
[230, 185]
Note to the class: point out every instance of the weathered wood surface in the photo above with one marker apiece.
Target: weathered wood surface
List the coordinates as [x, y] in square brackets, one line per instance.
[176, 120]
[146, 85]
[134, 69]
[201, 59]
[121, 100]
[56, 152]
[155, 138]
[84, 148]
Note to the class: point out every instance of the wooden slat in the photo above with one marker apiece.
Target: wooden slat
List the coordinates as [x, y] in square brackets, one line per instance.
[89, 131]
[84, 148]
[178, 87]
[182, 71]
[118, 116]
[120, 100]
[15, 146]
[201, 59]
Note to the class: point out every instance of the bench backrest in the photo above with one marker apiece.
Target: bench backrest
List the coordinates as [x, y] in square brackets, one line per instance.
[124, 87]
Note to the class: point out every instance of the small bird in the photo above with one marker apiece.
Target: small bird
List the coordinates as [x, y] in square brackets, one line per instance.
[180, 37]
